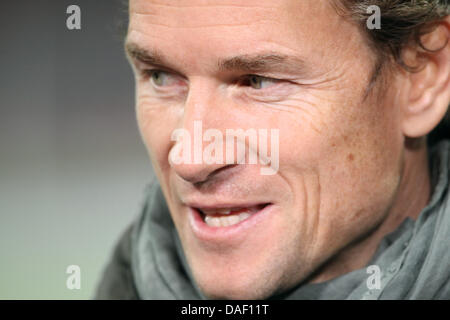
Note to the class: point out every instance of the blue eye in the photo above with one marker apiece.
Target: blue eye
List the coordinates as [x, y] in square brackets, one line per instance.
[159, 78]
[259, 82]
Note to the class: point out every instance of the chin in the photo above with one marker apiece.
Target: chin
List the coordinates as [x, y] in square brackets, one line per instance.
[232, 292]
[238, 285]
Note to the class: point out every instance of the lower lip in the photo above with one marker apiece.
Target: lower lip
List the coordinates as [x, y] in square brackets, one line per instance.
[207, 233]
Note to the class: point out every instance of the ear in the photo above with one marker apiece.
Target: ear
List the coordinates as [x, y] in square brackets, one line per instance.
[429, 89]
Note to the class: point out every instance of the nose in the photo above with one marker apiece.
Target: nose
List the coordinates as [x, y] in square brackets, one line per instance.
[190, 155]
[198, 173]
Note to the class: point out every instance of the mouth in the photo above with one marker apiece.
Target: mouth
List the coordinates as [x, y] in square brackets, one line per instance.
[229, 224]
[226, 217]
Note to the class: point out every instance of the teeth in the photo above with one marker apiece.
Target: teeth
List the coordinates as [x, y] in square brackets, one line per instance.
[224, 217]
[231, 210]
[217, 211]
[226, 221]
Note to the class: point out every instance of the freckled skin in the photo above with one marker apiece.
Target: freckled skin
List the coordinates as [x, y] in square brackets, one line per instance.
[340, 154]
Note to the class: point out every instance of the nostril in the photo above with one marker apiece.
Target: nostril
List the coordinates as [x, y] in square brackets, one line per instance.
[193, 173]
[199, 174]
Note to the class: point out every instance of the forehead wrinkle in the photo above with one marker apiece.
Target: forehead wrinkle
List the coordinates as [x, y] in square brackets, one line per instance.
[204, 6]
[191, 16]
[206, 25]
[181, 6]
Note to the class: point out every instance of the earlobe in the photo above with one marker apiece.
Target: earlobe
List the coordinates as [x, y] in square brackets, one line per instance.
[429, 89]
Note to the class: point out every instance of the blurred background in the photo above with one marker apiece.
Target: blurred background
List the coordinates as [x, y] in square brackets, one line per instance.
[72, 165]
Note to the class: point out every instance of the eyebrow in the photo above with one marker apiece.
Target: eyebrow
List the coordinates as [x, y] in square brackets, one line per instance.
[264, 62]
[149, 57]
[260, 62]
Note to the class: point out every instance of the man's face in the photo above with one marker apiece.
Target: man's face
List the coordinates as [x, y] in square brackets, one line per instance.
[291, 65]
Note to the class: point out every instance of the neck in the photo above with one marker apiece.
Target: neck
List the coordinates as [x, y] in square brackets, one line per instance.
[412, 196]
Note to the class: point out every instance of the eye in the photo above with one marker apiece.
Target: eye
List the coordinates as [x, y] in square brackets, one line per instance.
[164, 79]
[259, 82]
[159, 78]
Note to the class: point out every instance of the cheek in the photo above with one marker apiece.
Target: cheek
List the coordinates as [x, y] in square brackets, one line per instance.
[354, 148]
[339, 133]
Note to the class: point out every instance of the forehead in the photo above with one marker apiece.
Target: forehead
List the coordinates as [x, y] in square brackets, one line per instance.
[195, 13]
[229, 27]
